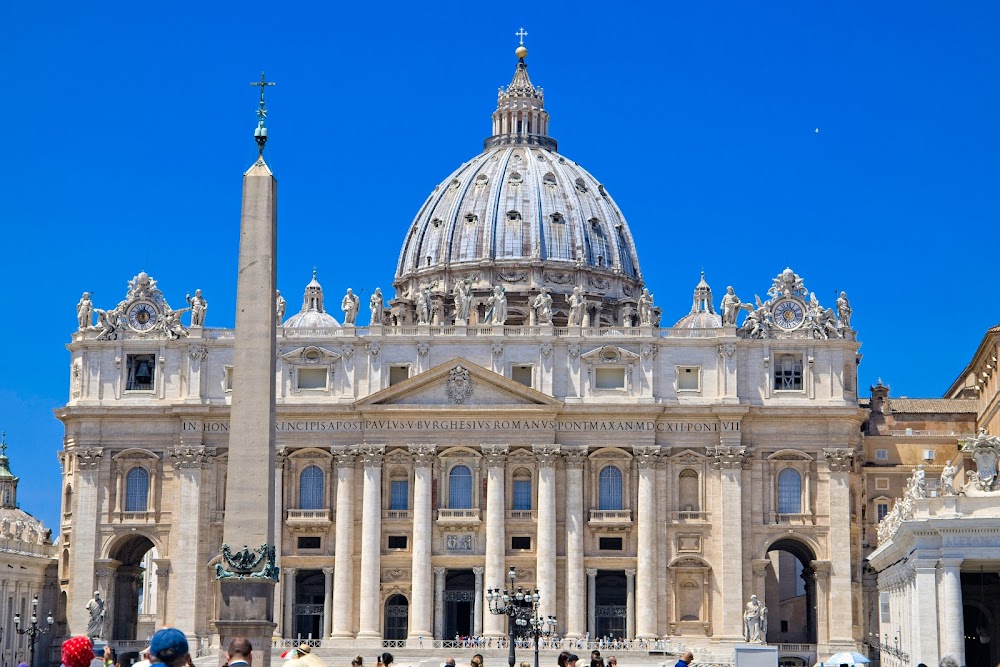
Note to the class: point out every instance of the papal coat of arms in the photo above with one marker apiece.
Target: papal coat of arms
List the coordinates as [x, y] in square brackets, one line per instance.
[459, 385]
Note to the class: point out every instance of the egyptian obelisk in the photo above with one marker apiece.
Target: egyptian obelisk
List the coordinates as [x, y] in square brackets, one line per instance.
[248, 573]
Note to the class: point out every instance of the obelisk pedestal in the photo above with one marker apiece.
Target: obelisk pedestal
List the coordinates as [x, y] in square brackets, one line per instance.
[247, 592]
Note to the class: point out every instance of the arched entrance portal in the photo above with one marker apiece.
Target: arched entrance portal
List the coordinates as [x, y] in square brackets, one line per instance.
[310, 591]
[790, 593]
[397, 617]
[459, 603]
[133, 598]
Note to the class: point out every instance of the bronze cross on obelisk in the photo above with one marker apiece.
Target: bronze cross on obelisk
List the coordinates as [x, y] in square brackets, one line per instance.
[260, 134]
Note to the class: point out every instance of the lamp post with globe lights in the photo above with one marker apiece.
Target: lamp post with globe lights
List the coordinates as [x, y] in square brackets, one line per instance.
[521, 609]
[33, 631]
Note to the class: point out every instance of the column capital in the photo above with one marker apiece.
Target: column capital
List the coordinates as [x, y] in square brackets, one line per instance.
[821, 569]
[925, 565]
[328, 571]
[194, 456]
[760, 565]
[280, 457]
[495, 455]
[576, 457]
[950, 563]
[730, 457]
[288, 571]
[478, 570]
[592, 572]
[371, 455]
[345, 456]
[88, 458]
[630, 574]
[646, 455]
[423, 455]
[546, 455]
[839, 459]
[440, 571]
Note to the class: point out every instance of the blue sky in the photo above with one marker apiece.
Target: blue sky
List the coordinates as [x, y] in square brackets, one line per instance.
[128, 126]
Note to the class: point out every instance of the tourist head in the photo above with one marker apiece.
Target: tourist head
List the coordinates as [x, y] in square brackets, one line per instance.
[477, 660]
[612, 661]
[240, 649]
[949, 661]
[561, 660]
[571, 659]
[77, 652]
[387, 659]
[688, 657]
[450, 662]
[169, 646]
[358, 661]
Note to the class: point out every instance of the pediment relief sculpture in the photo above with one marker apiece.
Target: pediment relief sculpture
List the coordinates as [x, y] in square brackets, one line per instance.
[311, 355]
[610, 354]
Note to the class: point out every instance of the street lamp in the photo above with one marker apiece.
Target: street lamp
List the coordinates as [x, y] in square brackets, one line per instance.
[33, 631]
[521, 609]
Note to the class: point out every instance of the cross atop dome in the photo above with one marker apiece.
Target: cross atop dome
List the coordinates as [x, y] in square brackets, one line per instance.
[522, 33]
[521, 117]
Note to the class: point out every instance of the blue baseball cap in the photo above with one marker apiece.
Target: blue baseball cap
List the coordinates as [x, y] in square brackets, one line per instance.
[168, 644]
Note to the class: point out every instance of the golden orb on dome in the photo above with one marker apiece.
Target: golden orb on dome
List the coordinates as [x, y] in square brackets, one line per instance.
[521, 52]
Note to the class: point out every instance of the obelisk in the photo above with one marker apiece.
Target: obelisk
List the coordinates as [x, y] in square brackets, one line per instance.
[248, 572]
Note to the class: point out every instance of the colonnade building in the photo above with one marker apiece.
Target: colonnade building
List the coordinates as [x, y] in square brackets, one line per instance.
[519, 402]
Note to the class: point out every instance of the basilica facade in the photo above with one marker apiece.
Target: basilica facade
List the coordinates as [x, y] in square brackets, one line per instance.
[518, 405]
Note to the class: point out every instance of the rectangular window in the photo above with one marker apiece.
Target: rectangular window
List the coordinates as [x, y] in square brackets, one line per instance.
[610, 544]
[881, 483]
[788, 372]
[881, 454]
[397, 542]
[309, 543]
[882, 509]
[521, 374]
[520, 543]
[784, 626]
[227, 382]
[522, 494]
[312, 378]
[688, 378]
[397, 374]
[399, 494]
[141, 372]
[609, 378]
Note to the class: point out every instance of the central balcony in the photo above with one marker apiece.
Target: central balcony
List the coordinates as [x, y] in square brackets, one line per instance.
[611, 517]
[298, 518]
[460, 517]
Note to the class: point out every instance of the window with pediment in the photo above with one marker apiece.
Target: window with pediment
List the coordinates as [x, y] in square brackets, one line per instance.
[460, 487]
[687, 491]
[311, 483]
[789, 492]
[521, 490]
[137, 490]
[609, 495]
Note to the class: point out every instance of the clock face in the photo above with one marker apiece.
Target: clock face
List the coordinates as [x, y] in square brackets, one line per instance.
[788, 314]
[142, 316]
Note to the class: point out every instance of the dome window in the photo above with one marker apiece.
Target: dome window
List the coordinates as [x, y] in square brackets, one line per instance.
[549, 180]
[482, 180]
[428, 260]
[596, 224]
[516, 178]
[581, 185]
[513, 216]
[437, 222]
[558, 219]
[600, 260]
[471, 219]
[455, 184]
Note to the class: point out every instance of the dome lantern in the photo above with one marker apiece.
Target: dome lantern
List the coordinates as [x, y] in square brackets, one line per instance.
[521, 117]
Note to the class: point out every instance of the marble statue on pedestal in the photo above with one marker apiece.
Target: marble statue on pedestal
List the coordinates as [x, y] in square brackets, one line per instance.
[543, 306]
[279, 307]
[424, 306]
[98, 612]
[947, 484]
[916, 486]
[107, 322]
[576, 306]
[350, 304]
[844, 310]
[497, 312]
[755, 621]
[170, 322]
[375, 305]
[85, 312]
[730, 307]
[462, 293]
[198, 307]
[645, 308]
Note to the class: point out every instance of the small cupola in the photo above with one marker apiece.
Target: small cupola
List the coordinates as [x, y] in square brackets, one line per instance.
[8, 483]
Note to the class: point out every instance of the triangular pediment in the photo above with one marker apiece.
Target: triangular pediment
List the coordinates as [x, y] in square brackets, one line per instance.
[458, 383]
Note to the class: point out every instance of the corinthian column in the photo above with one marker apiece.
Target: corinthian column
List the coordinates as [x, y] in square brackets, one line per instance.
[371, 542]
[343, 585]
[545, 579]
[576, 605]
[646, 522]
[729, 460]
[839, 463]
[421, 598]
[496, 457]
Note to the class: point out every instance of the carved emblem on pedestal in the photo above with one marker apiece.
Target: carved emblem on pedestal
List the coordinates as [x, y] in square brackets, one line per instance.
[985, 450]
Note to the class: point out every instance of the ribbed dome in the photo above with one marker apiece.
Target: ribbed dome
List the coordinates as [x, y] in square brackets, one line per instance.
[522, 216]
[520, 203]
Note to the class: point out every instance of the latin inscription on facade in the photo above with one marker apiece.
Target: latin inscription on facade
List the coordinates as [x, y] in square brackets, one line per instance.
[357, 425]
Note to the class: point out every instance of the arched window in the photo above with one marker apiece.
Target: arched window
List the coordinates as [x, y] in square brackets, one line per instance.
[522, 490]
[789, 492]
[136, 490]
[687, 492]
[610, 488]
[311, 488]
[460, 488]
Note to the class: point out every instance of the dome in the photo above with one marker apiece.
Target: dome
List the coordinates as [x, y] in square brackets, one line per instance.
[520, 215]
[702, 315]
[15, 523]
[312, 315]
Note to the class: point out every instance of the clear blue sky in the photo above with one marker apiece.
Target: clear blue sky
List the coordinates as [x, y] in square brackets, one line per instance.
[127, 127]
